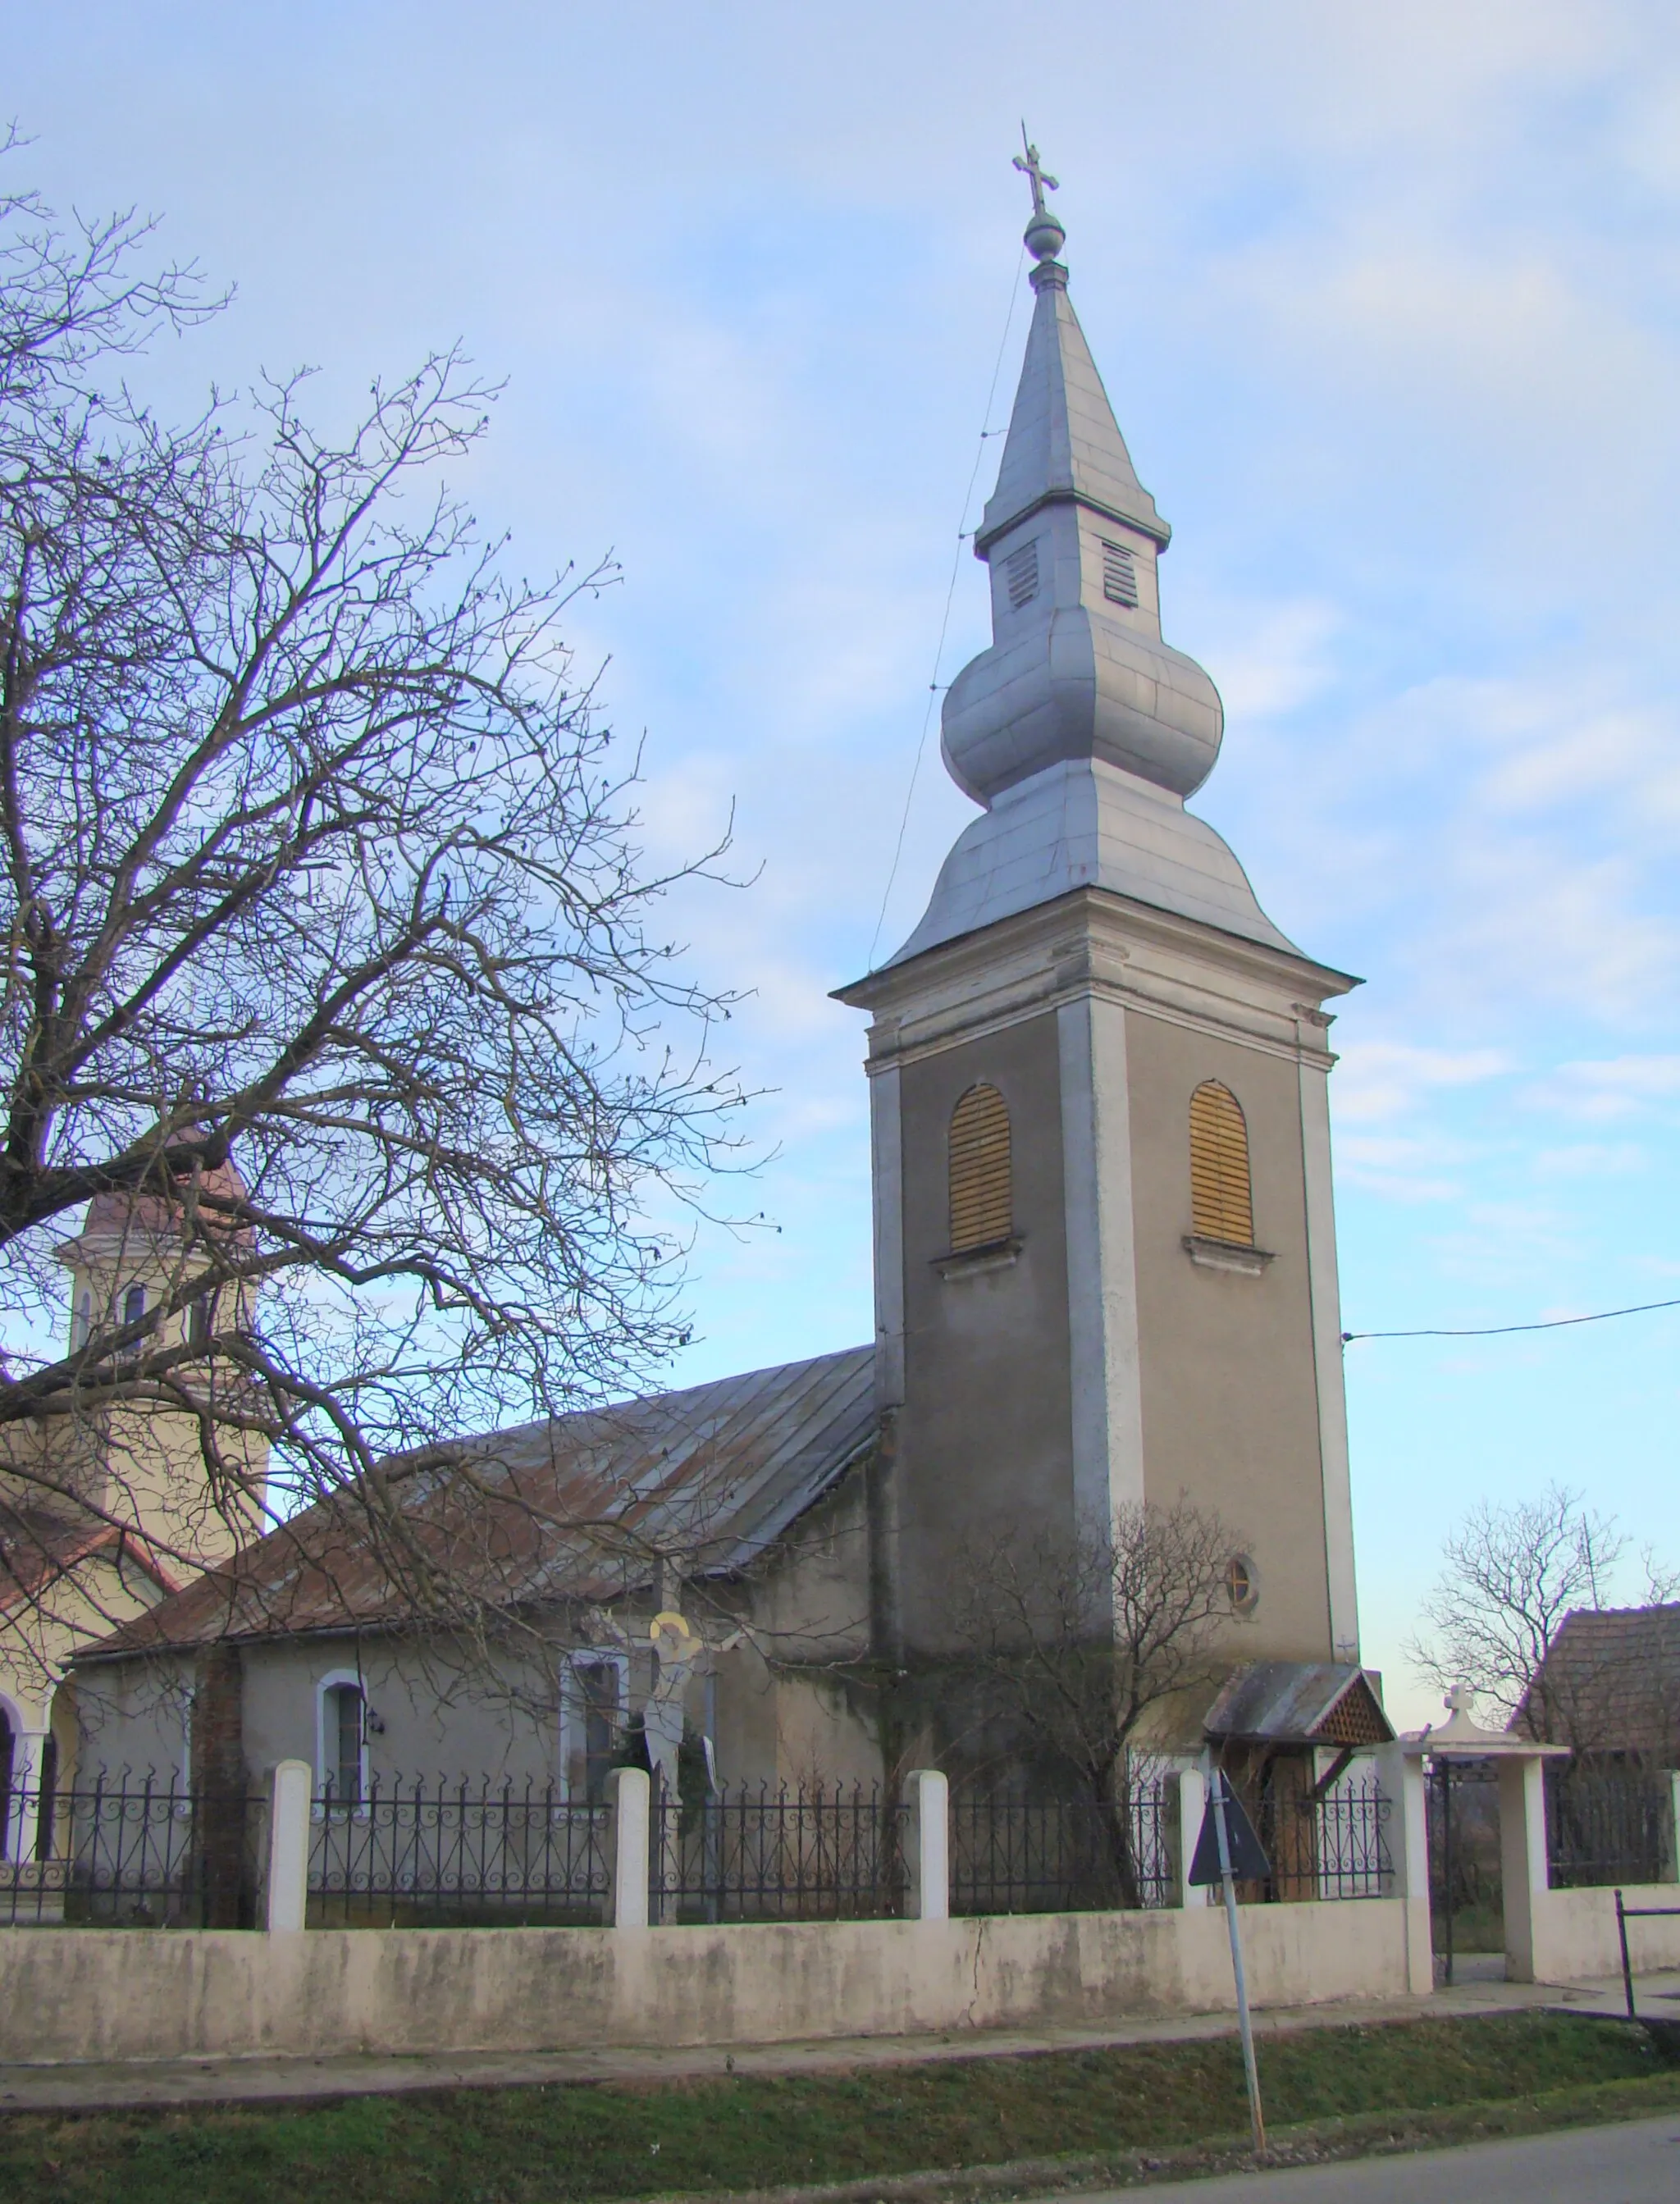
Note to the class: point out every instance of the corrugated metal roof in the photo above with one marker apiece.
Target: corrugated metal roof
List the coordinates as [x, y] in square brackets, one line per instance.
[1280, 1702]
[582, 1507]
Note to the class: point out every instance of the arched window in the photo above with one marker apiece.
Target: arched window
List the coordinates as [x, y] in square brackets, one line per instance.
[81, 1324]
[343, 1740]
[133, 1305]
[981, 1197]
[1221, 1203]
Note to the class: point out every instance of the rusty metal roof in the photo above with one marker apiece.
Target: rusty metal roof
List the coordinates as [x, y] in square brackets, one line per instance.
[1284, 1701]
[584, 1506]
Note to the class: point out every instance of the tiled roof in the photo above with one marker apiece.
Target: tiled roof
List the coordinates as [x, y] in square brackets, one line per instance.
[113, 1216]
[39, 1546]
[579, 1508]
[1609, 1682]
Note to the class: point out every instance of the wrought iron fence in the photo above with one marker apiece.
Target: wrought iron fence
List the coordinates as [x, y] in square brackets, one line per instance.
[1605, 1823]
[128, 1850]
[763, 1855]
[1332, 1845]
[1011, 1853]
[461, 1854]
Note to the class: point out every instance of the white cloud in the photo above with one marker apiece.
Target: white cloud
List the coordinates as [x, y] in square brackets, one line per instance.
[1268, 660]
[1617, 1086]
[1376, 1081]
[1590, 1160]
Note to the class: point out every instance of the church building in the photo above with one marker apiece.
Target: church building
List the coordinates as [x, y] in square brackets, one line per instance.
[1105, 1277]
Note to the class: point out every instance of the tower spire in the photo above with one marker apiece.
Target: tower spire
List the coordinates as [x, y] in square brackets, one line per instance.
[1080, 730]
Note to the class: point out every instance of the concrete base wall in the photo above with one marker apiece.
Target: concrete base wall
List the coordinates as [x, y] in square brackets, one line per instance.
[72, 1994]
[1575, 1933]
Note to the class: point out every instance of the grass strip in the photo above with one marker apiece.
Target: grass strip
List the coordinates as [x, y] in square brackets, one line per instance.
[1071, 2116]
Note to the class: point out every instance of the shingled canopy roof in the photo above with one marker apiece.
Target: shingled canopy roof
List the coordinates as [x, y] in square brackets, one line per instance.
[1327, 1703]
[575, 1508]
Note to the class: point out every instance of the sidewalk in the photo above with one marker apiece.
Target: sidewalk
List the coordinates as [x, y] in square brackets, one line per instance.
[95, 2087]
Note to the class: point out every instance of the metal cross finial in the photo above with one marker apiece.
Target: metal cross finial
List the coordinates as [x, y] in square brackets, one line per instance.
[1033, 169]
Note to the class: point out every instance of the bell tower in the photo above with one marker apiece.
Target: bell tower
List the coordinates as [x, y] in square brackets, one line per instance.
[1104, 1244]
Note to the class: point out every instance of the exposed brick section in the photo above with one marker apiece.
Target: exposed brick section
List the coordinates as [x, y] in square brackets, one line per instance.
[220, 1784]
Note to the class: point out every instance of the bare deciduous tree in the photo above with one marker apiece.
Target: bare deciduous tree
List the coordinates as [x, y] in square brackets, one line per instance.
[328, 958]
[1083, 1644]
[1512, 1576]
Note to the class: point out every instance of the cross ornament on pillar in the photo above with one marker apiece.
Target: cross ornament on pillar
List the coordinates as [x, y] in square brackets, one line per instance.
[1033, 169]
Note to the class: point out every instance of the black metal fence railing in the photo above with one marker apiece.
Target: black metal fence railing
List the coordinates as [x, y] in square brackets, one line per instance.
[129, 1852]
[1014, 1854]
[1605, 1823]
[764, 1855]
[136, 1851]
[1333, 1846]
[458, 1855]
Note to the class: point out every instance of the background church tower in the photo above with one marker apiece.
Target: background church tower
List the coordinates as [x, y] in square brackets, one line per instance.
[1105, 1251]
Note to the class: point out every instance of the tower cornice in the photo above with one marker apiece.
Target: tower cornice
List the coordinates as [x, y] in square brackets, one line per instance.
[1092, 942]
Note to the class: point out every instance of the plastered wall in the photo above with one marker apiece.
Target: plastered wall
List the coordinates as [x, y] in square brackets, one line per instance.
[94, 1995]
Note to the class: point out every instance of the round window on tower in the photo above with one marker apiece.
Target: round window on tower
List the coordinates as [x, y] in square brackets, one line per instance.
[1242, 1584]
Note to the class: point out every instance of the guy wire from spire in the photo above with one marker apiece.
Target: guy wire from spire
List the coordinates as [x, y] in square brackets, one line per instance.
[950, 594]
[1500, 1331]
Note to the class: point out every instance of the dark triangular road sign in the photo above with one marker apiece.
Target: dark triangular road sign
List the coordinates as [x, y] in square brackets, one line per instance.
[1248, 1862]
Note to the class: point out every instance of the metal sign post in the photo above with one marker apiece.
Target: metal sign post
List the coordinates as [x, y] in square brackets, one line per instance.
[1235, 1845]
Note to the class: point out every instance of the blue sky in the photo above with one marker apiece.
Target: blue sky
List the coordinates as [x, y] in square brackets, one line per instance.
[1386, 302]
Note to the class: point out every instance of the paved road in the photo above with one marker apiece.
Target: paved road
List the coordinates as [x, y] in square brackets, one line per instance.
[1636, 2163]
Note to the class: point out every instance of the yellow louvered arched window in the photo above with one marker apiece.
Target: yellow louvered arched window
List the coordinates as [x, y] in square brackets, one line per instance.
[1221, 1202]
[981, 1197]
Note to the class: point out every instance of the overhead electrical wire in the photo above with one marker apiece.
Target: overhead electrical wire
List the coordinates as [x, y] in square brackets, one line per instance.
[1500, 1331]
[950, 594]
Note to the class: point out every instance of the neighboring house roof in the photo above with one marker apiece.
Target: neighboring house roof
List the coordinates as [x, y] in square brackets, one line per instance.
[1610, 1683]
[580, 1506]
[1299, 1702]
[39, 1547]
[113, 1219]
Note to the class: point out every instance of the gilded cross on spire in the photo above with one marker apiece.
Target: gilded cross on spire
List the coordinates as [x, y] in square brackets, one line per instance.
[1044, 234]
[1033, 169]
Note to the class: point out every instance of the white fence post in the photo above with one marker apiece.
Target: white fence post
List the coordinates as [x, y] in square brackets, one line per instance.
[1524, 1870]
[630, 1792]
[930, 1801]
[1192, 1803]
[288, 1845]
[1400, 1779]
[1671, 1861]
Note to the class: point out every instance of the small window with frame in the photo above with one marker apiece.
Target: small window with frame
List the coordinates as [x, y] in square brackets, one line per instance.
[593, 1723]
[1242, 1584]
[343, 1746]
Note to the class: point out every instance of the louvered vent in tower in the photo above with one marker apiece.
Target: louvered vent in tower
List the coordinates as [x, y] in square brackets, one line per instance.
[981, 1198]
[1119, 575]
[1020, 575]
[1221, 1200]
